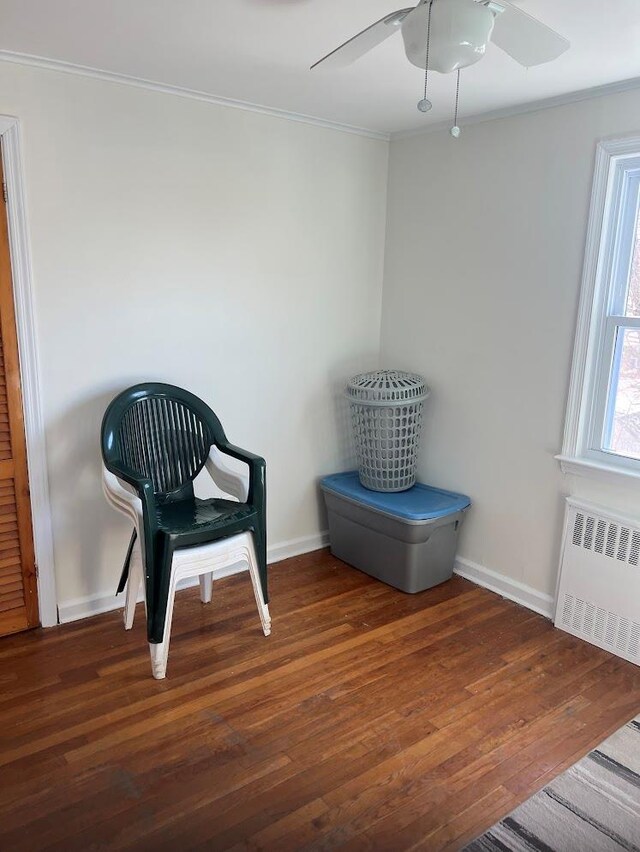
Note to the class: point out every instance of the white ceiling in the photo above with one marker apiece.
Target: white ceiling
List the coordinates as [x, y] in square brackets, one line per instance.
[260, 51]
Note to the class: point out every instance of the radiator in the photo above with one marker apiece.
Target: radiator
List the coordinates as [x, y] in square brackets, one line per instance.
[598, 597]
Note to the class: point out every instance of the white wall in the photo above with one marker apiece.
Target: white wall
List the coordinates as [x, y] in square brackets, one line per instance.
[484, 252]
[241, 255]
[236, 254]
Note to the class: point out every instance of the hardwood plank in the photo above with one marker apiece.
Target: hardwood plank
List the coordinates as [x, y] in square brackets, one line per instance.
[368, 720]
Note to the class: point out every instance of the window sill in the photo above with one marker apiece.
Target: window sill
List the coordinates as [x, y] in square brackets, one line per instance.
[597, 470]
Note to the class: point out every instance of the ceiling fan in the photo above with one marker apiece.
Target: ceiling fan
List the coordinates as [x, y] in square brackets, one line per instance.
[454, 34]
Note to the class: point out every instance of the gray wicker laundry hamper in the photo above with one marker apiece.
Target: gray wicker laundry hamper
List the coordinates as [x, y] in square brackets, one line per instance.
[386, 416]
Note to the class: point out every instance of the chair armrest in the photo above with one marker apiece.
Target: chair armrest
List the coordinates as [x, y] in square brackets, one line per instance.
[230, 481]
[141, 484]
[146, 521]
[116, 493]
[127, 501]
[124, 501]
[256, 493]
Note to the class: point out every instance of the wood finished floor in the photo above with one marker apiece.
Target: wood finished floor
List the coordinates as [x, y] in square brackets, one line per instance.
[369, 719]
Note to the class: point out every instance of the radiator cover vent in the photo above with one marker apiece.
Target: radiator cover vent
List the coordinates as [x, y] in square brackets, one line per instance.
[609, 537]
[599, 581]
[609, 629]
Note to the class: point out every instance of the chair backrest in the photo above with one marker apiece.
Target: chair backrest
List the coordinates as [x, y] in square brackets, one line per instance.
[162, 433]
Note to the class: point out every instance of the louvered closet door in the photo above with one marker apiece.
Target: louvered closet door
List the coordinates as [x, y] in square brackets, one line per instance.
[18, 594]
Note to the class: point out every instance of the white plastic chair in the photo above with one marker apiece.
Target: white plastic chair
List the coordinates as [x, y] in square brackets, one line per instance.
[202, 561]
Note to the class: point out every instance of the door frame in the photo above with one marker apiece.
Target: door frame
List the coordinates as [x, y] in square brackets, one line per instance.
[22, 275]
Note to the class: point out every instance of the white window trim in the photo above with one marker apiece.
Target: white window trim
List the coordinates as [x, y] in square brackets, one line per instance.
[29, 367]
[576, 457]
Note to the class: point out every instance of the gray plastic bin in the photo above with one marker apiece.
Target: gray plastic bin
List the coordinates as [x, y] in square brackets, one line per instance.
[406, 539]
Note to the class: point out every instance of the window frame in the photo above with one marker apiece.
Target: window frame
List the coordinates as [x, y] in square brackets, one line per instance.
[608, 253]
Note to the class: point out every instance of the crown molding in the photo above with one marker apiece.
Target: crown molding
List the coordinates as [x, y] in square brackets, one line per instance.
[522, 109]
[179, 91]
[61, 66]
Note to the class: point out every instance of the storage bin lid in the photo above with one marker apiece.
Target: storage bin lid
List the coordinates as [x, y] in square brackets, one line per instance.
[419, 503]
[385, 387]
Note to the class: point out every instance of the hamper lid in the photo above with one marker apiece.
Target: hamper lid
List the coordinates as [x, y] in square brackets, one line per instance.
[382, 387]
[419, 503]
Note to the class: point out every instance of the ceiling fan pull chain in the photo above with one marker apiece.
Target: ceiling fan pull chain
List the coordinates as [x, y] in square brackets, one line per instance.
[455, 130]
[425, 105]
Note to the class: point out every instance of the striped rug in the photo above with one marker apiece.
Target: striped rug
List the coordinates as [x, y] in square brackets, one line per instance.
[592, 807]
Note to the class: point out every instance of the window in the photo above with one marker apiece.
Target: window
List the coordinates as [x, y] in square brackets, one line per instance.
[602, 433]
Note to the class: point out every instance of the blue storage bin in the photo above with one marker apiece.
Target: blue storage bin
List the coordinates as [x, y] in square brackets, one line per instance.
[407, 539]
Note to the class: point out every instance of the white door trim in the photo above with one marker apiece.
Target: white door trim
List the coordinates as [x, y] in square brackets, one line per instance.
[29, 367]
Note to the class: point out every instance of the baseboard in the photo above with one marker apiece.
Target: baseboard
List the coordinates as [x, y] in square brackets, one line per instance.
[297, 546]
[505, 586]
[77, 608]
[73, 610]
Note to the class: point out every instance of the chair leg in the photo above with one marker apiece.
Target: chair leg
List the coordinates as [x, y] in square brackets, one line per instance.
[254, 571]
[134, 582]
[159, 658]
[206, 587]
[159, 651]
[127, 562]
[260, 543]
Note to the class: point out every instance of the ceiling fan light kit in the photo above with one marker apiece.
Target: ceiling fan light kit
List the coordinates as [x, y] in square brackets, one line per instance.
[425, 104]
[447, 35]
[460, 30]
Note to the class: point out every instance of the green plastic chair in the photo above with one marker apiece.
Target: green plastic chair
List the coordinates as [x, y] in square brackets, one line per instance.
[157, 438]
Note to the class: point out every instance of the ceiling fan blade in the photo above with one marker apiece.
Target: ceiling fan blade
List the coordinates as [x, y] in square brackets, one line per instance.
[526, 39]
[364, 41]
